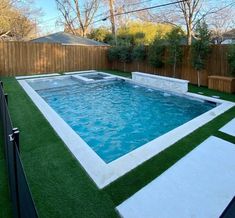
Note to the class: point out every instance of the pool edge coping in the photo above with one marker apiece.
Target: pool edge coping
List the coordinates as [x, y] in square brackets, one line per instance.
[103, 174]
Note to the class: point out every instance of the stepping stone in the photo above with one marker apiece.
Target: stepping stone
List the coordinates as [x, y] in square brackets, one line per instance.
[201, 184]
[229, 128]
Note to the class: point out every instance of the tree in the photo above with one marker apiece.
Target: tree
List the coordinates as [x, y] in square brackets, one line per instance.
[76, 18]
[99, 34]
[156, 52]
[16, 20]
[124, 55]
[112, 19]
[148, 29]
[113, 53]
[190, 10]
[220, 23]
[120, 53]
[200, 48]
[174, 48]
[138, 54]
[197, 10]
[231, 59]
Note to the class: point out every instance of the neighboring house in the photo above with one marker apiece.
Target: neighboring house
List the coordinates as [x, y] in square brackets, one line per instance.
[68, 39]
[229, 37]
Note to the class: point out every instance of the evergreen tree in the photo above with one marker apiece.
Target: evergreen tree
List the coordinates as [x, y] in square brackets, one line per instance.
[156, 52]
[174, 48]
[231, 59]
[200, 48]
[138, 54]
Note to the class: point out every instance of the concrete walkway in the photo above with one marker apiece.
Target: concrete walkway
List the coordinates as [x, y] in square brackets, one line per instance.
[229, 128]
[201, 185]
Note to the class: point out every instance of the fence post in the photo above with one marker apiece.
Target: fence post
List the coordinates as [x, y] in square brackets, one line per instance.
[15, 133]
[6, 97]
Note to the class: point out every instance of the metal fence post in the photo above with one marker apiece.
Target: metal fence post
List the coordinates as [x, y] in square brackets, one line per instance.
[15, 133]
[6, 97]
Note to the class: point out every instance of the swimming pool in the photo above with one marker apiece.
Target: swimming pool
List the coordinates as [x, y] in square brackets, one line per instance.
[117, 117]
[118, 124]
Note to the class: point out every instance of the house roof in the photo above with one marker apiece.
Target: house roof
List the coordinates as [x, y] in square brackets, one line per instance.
[67, 38]
[229, 35]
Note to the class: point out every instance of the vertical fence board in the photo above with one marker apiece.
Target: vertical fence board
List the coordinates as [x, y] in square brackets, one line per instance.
[26, 58]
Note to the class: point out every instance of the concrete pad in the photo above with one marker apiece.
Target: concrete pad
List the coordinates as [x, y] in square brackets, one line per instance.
[229, 128]
[199, 185]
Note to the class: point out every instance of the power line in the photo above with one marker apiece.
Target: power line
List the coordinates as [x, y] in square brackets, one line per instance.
[140, 9]
[124, 5]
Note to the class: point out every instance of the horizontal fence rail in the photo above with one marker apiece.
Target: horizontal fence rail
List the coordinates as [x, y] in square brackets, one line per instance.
[27, 58]
[22, 202]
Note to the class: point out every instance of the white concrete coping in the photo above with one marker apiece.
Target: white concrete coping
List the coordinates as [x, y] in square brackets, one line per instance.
[200, 185]
[100, 172]
[229, 128]
[37, 75]
[160, 77]
[161, 82]
[77, 72]
[81, 76]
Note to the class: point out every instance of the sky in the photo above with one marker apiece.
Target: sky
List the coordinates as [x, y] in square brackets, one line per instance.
[47, 22]
[50, 14]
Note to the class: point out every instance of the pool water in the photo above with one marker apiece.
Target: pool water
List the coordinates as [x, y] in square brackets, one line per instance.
[117, 117]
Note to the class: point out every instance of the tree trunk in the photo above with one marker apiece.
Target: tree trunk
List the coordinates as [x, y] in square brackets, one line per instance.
[189, 33]
[112, 17]
[174, 67]
[198, 78]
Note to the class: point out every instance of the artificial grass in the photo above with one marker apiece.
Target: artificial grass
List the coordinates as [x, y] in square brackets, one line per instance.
[127, 185]
[60, 186]
[211, 92]
[5, 203]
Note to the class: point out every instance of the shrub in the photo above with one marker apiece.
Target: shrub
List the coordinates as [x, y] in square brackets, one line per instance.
[156, 52]
[174, 48]
[200, 48]
[113, 53]
[124, 55]
[138, 54]
[231, 58]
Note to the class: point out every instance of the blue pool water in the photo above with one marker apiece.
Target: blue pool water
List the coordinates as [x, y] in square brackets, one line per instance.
[117, 117]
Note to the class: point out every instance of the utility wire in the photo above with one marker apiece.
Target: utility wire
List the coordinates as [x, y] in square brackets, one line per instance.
[140, 9]
[124, 5]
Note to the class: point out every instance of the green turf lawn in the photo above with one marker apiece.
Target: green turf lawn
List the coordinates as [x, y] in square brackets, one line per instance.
[5, 206]
[60, 186]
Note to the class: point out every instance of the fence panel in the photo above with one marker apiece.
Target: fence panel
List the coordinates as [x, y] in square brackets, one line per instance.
[26, 58]
[22, 202]
[216, 65]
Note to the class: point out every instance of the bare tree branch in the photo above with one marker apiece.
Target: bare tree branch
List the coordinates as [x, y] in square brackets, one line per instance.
[77, 18]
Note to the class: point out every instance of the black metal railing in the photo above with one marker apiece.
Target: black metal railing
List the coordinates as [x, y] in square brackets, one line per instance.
[22, 202]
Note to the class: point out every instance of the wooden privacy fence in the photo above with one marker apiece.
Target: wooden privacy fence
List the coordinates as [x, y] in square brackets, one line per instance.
[223, 84]
[25, 58]
[216, 65]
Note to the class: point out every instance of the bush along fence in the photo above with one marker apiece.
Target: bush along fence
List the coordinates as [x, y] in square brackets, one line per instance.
[22, 203]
